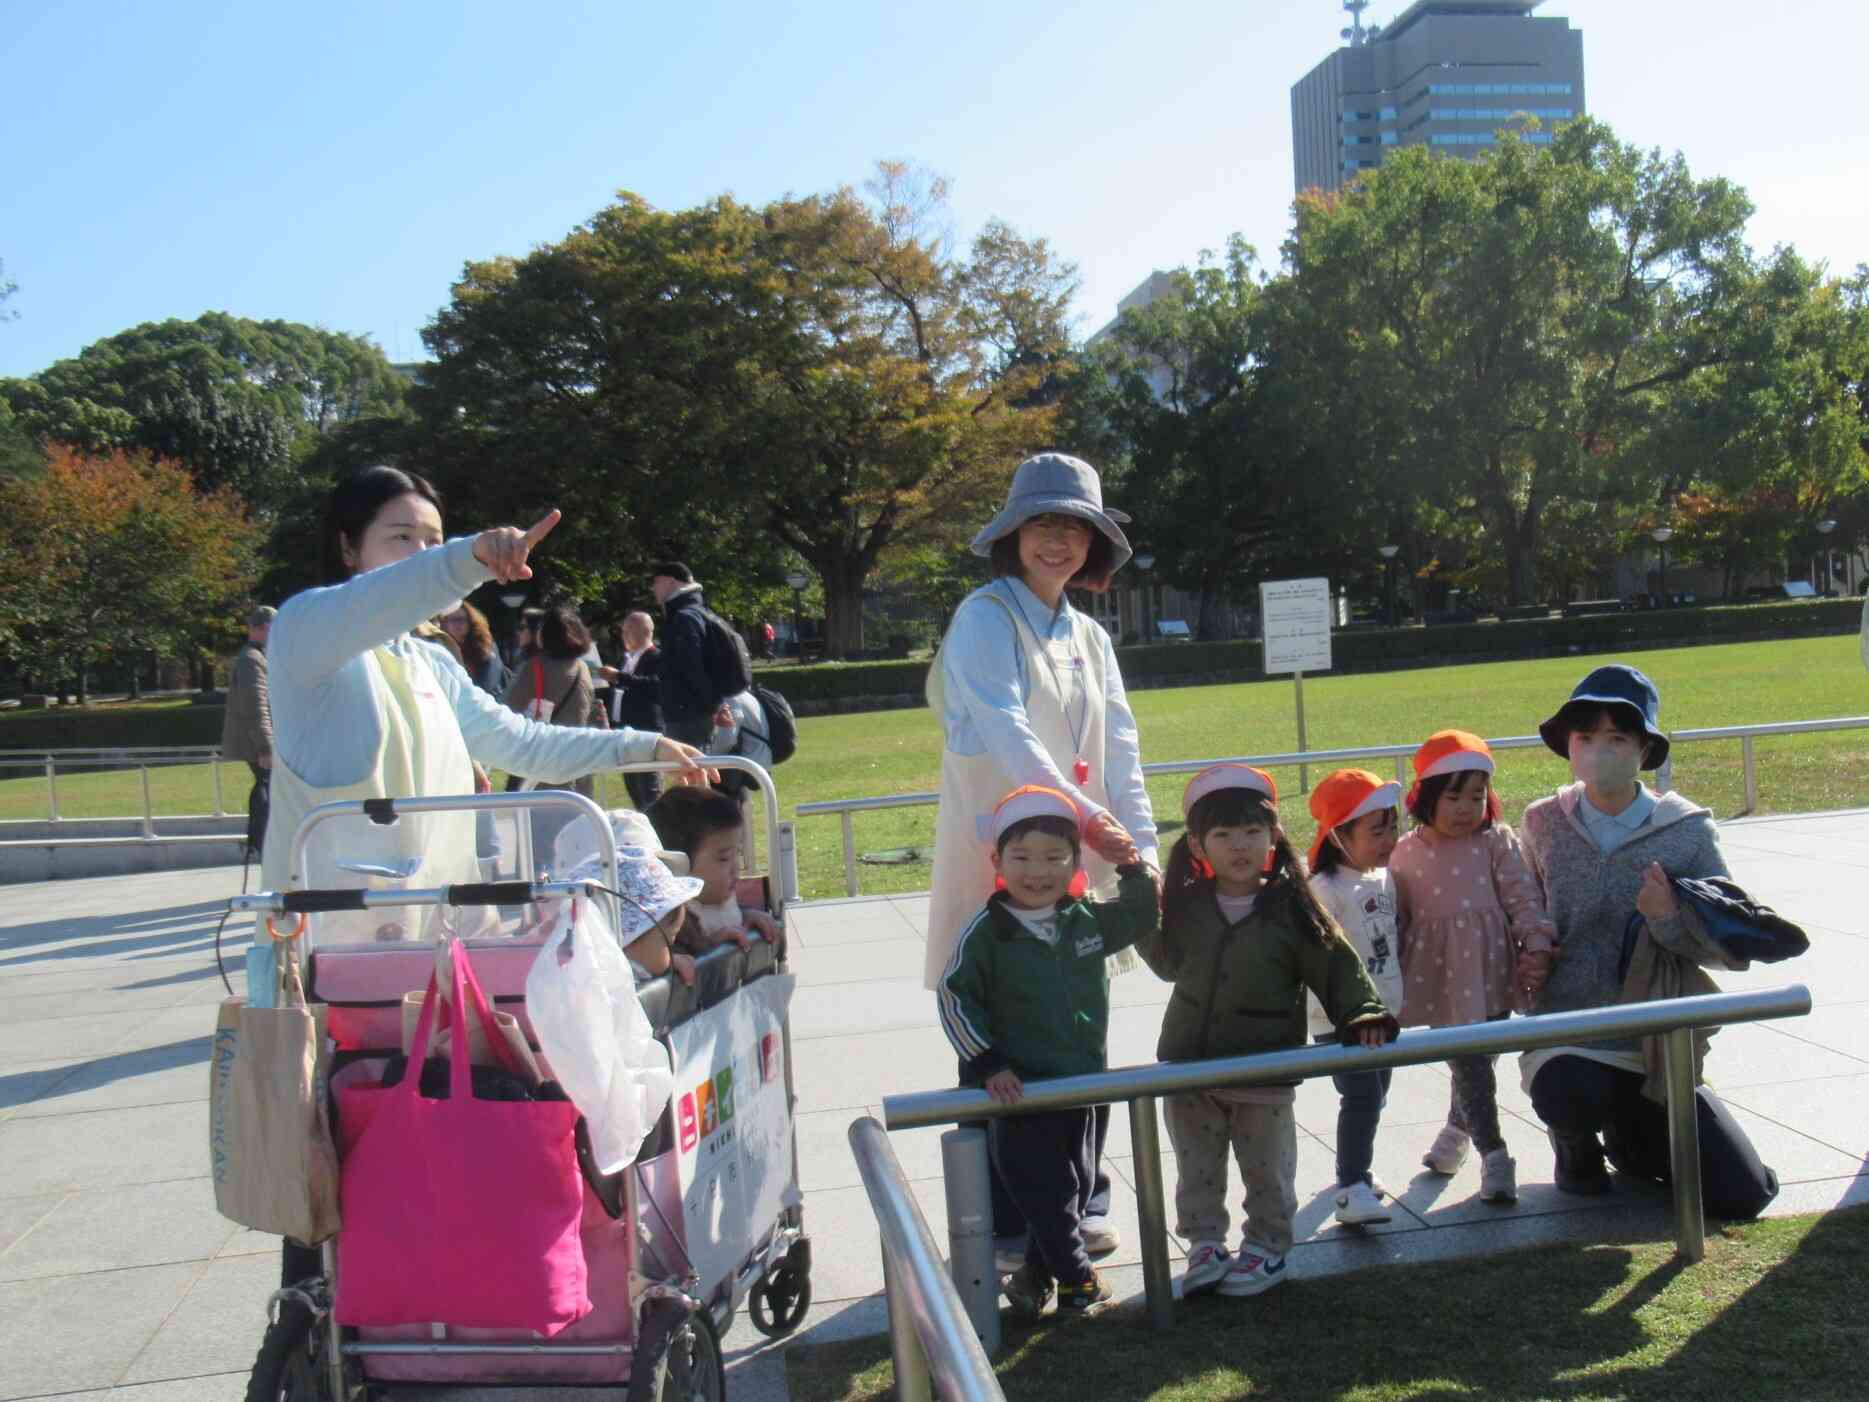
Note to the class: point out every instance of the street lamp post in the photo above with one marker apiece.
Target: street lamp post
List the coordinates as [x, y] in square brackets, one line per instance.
[1388, 553]
[1824, 528]
[798, 579]
[1145, 563]
[1662, 535]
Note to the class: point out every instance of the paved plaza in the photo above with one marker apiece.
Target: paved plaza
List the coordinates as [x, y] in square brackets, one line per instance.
[117, 1276]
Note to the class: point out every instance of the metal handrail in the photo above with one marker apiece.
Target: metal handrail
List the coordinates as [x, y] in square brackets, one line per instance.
[1674, 1019]
[844, 808]
[930, 1335]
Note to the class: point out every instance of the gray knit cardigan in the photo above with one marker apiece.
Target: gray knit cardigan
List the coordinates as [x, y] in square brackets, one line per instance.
[1591, 893]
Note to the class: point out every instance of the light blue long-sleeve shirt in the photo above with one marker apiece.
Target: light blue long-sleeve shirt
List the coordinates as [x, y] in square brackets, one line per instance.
[985, 707]
[326, 725]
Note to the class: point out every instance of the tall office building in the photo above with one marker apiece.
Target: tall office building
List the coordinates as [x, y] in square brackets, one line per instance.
[1446, 74]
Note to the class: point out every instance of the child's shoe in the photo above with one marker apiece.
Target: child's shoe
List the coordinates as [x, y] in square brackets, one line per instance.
[1100, 1235]
[1358, 1206]
[1447, 1152]
[1207, 1267]
[1084, 1298]
[1499, 1179]
[1579, 1164]
[1028, 1291]
[1252, 1273]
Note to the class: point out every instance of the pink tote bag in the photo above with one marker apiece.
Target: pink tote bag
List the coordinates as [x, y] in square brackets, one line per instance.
[461, 1211]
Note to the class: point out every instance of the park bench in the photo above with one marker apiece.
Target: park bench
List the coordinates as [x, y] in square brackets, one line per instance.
[1583, 608]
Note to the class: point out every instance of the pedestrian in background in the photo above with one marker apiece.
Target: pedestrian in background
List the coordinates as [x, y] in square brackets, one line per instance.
[247, 728]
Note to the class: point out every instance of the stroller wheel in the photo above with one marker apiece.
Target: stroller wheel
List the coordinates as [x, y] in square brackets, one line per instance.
[677, 1358]
[779, 1302]
[291, 1365]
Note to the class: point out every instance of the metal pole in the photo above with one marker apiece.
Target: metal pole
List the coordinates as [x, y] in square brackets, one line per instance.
[913, 1384]
[1304, 770]
[51, 784]
[1146, 1146]
[1751, 773]
[850, 853]
[966, 1177]
[787, 875]
[1401, 769]
[1684, 1143]
[1664, 776]
[149, 808]
[214, 768]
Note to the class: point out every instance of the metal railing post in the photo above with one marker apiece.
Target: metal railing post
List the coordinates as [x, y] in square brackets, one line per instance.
[214, 768]
[966, 1177]
[1401, 769]
[51, 783]
[1146, 1146]
[149, 807]
[1664, 776]
[1751, 774]
[1684, 1144]
[913, 1383]
[850, 854]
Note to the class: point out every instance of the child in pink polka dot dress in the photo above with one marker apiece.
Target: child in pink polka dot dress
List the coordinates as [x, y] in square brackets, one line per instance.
[1475, 939]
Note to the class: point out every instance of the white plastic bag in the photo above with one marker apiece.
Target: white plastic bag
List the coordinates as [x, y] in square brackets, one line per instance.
[581, 997]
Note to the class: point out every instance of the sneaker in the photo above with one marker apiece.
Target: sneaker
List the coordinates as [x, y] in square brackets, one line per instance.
[1447, 1152]
[1252, 1273]
[1499, 1179]
[1100, 1235]
[1028, 1291]
[1008, 1253]
[1207, 1267]
[1084, 1298]
[1358, 1206]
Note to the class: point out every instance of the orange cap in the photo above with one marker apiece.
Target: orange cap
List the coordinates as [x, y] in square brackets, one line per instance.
[1227, 776]
[1343, 796]
[1454, 752]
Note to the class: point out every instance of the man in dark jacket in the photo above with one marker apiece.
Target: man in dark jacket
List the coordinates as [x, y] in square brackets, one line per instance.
[636, 695]
[689, 695]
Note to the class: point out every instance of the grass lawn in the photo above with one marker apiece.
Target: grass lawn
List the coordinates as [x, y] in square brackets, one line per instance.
[1774, 1311]
[891, 752]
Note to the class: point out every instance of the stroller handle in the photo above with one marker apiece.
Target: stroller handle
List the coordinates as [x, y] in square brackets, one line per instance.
[472, 894]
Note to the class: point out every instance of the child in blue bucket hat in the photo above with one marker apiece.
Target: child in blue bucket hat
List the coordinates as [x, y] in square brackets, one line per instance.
[1603, 848]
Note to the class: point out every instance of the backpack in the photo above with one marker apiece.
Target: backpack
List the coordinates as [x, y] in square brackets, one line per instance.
[729, 665]
[781, 725]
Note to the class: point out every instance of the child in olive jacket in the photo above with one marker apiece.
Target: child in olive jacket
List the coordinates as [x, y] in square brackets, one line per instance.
[1027, 994]
[1242, 937]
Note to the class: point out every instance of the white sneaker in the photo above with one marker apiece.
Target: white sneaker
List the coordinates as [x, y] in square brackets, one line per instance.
[1448, 1151]
[1252, 1274]
[1100, 1235]
[1499, 1178]
[1207, 1267]
[1358, 1206]
[1008, 1253]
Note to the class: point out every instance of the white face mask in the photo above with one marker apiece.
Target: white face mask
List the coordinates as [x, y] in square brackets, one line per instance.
[1609, 768]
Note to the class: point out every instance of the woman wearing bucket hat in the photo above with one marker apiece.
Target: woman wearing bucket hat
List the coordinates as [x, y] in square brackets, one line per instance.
[1603, 849]
[1028, 692]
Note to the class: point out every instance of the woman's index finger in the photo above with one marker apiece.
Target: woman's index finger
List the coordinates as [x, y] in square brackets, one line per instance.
[543, 527]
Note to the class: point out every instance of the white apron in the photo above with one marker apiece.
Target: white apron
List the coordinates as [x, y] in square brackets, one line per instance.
[972, 784]
[422, 754]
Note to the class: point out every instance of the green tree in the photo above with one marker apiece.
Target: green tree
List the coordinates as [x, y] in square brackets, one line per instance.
[821, 378]
[1539, 312]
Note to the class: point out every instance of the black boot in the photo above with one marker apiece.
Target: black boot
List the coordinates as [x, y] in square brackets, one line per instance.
[1580, 1167]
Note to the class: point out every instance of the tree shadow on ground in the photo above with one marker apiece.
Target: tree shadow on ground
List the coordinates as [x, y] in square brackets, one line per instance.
[136, 933]
[1774, 1312]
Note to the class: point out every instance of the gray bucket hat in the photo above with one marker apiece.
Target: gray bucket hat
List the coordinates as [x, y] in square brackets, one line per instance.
[1055, 482]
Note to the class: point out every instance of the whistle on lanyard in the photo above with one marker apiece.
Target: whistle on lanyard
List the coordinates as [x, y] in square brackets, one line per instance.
[1080, 772]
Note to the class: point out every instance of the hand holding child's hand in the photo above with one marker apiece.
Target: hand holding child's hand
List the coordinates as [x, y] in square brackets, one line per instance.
[1532, 969]
[1110, 840]
[1005, 1087]
[683, 965]
[1656, 898]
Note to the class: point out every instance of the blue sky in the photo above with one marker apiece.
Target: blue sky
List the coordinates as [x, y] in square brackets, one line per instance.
[336, 164]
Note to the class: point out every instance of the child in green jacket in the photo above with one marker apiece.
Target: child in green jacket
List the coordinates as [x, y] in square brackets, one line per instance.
[1242, 937]
[1026, 995]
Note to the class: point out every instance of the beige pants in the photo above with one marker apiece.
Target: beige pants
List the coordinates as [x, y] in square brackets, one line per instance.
[1264, 1139]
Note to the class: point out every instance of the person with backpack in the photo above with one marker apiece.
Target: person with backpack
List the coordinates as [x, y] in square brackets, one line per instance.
[704, 661]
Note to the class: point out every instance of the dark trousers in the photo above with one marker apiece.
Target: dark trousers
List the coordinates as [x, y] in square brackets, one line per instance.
[643, 789]
[694, 730]
[1048, 1163]
[1360, 1098]
[259, 807]
[1007, 1219]
[1580, 1098]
